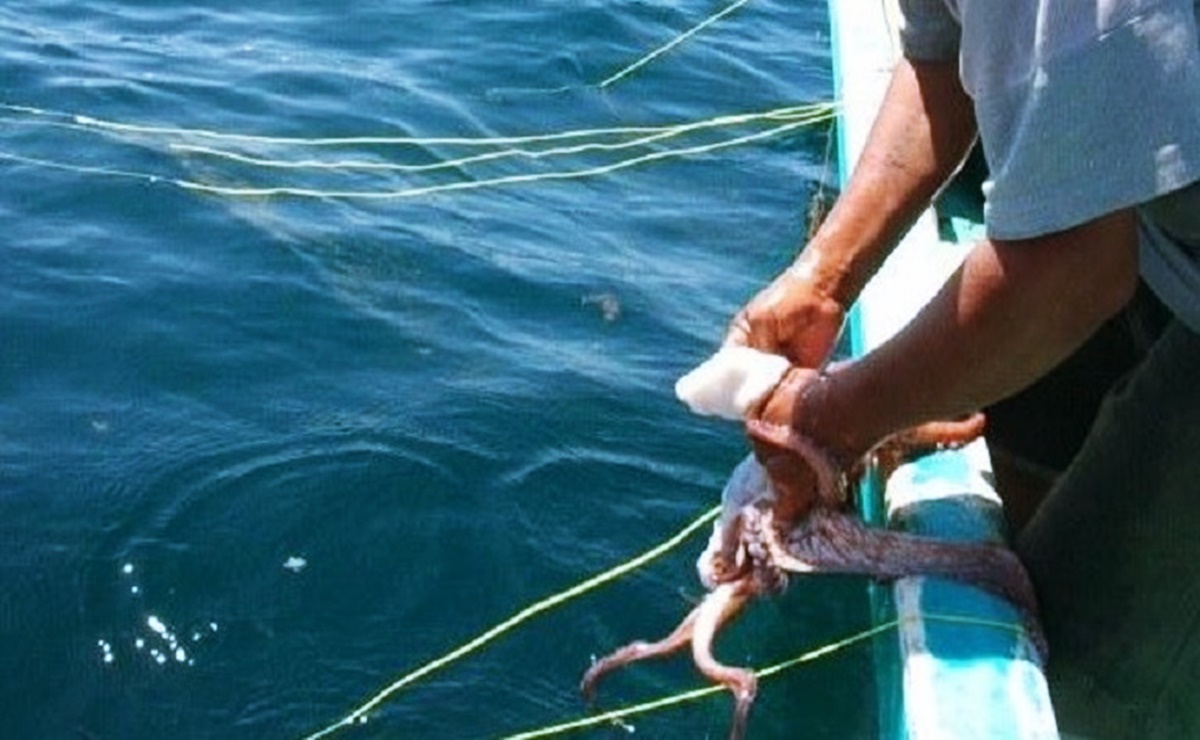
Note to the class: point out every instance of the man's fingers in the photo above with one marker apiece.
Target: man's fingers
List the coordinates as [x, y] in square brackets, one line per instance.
[738, 334]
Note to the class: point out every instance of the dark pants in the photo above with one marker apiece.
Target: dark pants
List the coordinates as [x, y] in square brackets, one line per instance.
[1114, 553]
[1043, 427]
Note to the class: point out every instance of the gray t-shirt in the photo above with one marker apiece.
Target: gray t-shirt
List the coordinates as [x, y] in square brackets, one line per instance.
[1084, 107]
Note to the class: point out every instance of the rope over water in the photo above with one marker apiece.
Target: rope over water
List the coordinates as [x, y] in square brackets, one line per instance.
[611, 79]
[595, 582]
[788, 119]
[836, 646]
[517, 619]
[645, 135]
[79, 122]
[506, 180]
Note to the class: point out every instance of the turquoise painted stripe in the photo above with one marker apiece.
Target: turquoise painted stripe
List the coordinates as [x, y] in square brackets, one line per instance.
[869, 493]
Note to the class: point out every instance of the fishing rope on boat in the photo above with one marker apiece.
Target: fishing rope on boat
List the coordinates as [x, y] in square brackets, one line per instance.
[519, 618]
[821, 201]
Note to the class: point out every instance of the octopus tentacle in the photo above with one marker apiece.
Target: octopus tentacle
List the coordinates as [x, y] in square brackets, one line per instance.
[780, 555]
[921, 440]
[641, 650]
[832, 482]
[833, 542]
[699, 628]
[727, 562]
[936, 435]
[757, 532]
[722, 605]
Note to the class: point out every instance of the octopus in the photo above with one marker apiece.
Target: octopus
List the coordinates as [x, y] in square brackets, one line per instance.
[759, 540]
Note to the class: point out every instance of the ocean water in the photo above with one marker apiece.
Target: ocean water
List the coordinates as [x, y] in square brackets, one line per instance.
[269, 442]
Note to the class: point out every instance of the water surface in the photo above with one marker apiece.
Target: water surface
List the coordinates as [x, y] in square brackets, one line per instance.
[261, 455]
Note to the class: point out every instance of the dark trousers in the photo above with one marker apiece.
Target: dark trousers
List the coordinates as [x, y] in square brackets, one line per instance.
[1114, 553]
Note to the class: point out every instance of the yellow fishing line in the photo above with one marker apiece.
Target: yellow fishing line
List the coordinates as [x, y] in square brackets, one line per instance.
[78, 121]
[794, 116]
[807, 657]
[50, 164]
[686, 696]
[626, 71]
[812, 113]
[268, 191]
[973, 622]
[351, 164]
[30, 120]
[257, 192]
[522, 616]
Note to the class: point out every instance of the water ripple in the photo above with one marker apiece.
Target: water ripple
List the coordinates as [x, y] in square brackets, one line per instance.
[260, 455]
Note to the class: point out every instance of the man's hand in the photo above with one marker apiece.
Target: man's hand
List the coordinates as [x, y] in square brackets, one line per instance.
[793, 316]
[794, 447]
[810, 454]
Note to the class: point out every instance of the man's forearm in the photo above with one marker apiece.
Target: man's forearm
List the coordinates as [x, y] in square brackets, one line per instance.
[924, 130]
[1010, 314]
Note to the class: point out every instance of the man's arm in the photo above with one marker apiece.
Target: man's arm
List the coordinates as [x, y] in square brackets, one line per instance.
[924, 130]
[1011, 313]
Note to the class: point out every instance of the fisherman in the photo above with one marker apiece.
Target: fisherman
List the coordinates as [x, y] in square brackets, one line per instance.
[1089, 118]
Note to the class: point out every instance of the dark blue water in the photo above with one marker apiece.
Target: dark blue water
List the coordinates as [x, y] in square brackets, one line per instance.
[261, 455]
